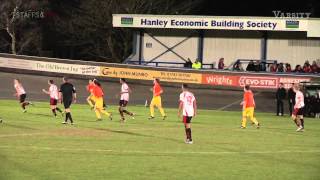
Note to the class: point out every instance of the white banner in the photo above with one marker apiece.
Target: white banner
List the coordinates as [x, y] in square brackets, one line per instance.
[49, 66]
[212, 22]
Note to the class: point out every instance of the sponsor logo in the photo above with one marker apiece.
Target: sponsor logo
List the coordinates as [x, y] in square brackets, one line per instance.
[292, 24]
[127, 20]
[221, 80]
[258, 82]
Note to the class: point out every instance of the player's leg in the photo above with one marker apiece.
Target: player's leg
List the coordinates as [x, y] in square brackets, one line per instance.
[188, 129]
[53, 109]
[124, 108]
[281, 107]
[99, 109]
[23, 102]
[294, 117]
[90, 100]
[252, 117]
[159, 106]
[152, 104]
[67, 104]
[244, 118]
[184, 121]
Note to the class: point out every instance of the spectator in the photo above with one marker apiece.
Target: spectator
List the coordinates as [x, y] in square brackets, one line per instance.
[288, 68]
[307, 67]
[262, 66]
[291, 98]
[280, 68]
[314, 67]
[221, 63]
[237, 66]
[298, 69]
[317, 106]
[280, 96]
[188, 63]
[197, 64]
[257, 66]
[250, 66]
[274, 67]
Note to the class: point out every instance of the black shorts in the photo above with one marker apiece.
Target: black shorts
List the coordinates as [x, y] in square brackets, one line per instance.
[187, 119]
[123, 103]
[298, 111]
[22, 98]
[67, 103]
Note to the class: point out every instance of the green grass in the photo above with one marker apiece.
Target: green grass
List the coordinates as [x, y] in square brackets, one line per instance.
[36, 146]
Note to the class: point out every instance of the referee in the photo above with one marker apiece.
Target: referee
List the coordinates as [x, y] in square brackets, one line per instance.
[67, 95]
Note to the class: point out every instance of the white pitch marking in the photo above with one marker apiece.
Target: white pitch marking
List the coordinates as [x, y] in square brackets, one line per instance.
[160, 153]
[236, 102]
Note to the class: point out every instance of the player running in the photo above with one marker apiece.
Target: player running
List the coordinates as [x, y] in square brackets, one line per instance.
[54, 96]
[156, 99]
[248, 105]
[188, 105]
[298, 110]
[124, 99]
[90, 98]
[67, 95]
[98, 100]
[21, 94]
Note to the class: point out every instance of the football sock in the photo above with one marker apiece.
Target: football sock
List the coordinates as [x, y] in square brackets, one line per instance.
[127, 112]
[186, 133]
[162, 111]
[23, 106]
[105, 112]
[189, 133]
[121, 112]
[58, 109]
[68, 116]
[302, 122]
[54, 112]
[98, 114]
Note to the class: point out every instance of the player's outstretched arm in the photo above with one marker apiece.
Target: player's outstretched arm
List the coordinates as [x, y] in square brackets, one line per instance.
[45, 91]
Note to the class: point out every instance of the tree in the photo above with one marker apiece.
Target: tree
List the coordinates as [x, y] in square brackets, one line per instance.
[87, 25]
[20, 22]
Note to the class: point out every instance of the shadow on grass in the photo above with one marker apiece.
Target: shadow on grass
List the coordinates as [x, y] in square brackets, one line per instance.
[136, 134]
[43, 115]
[19, 126]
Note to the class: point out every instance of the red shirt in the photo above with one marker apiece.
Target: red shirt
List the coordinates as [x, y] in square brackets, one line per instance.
[90, 88]
[157, 90]
[97, 91]
[248, 99]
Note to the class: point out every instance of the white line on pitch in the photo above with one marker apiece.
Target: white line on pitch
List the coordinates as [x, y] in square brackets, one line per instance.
[231, 104]
[159, 153]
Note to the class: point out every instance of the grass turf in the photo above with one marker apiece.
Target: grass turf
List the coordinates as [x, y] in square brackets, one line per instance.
[35, 145]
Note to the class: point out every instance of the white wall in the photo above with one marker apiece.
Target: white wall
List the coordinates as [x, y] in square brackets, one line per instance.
[188, 49]
[231, 45]
[293, 51]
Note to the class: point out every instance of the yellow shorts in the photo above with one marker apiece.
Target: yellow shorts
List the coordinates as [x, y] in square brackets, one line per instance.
[156, 101]
[91, 97]
[98, 102]
[248, 112]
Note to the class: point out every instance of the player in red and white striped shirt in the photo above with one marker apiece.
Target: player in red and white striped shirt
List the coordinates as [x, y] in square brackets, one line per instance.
[21, 94]
[298, 109]
[188, 105]
[124, 99]
[54, 96]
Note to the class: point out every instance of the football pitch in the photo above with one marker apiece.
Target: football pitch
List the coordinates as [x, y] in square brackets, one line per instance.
[35, 145]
